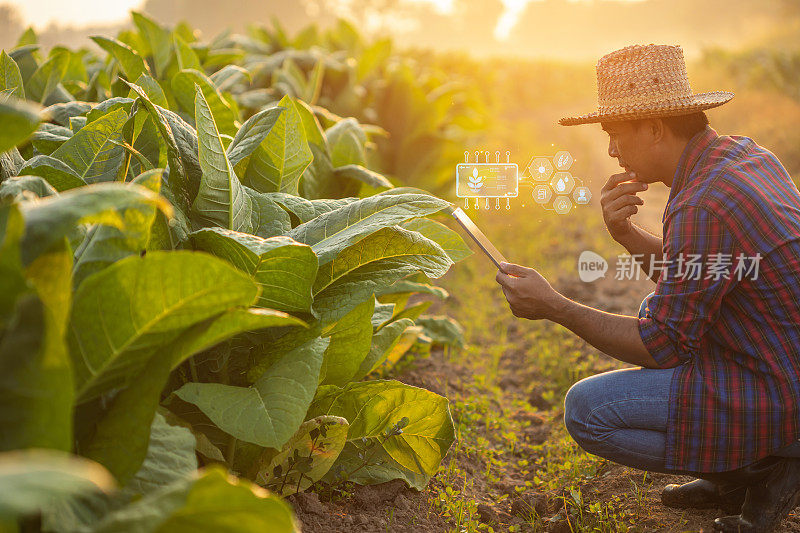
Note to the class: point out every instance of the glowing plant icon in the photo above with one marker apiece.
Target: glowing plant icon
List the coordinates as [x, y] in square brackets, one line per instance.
[475, 182]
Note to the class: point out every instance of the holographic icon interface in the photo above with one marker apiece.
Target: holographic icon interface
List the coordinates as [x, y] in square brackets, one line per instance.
[553, 186]
[487, 180]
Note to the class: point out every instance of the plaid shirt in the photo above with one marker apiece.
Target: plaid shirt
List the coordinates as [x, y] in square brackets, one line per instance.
[735, 338]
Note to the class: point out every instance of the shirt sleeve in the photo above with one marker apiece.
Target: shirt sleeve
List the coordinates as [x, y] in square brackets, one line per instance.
[688, 295]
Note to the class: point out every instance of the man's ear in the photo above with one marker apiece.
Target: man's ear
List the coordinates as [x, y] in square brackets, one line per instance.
[657, 129]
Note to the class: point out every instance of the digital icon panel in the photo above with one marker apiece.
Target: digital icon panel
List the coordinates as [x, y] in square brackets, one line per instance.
[549, 179]
[487, 180]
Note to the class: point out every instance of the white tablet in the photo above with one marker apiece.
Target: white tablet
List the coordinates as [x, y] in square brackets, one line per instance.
[478, 236]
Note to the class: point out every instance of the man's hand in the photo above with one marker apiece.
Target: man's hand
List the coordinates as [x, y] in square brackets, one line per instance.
[619, 202]
[528, 293]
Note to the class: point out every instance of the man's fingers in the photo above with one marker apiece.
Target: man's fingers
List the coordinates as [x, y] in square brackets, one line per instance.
[514, 269]
[625, 188]
[624, 200]
[616, 179]
[504, 279]
[624, 213]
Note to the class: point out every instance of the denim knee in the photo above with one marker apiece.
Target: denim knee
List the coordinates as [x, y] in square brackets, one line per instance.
[577, 406]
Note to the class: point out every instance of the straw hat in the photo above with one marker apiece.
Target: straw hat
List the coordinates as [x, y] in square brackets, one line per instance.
[644, 81]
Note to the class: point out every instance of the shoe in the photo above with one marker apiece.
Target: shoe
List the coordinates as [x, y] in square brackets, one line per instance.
[705, 494]
[769, 499]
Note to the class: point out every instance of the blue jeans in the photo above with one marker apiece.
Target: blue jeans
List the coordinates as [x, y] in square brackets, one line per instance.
[622, 416]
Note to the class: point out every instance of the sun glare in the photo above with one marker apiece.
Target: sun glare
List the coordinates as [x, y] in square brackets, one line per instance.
[442, 6]
[41, 13]
[507, 21]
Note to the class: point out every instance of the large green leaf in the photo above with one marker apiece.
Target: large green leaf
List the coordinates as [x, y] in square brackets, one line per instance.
[373, 408]
[382, 342]
[311, 126]
[279, 161]
[182, 150]
[407, 286]
[19, 120]
[350, 343]
[94, 152]
[23, 341]
[61, 113]
[151, 88]
[157, 41]
[251, 134]
[318, 180]
[213, 501]
[347, 143]
[284, 269]
[170, 457]
[364, 175]
[12, 279]
[57, 173]
[31, 480]
[450, 241]
[183, 86]
[45, 80]
[392, 246]
[270, 411]
[36, 387]
[130, 62]
[121, 438]
[107, 244]
[105, 107]
[268, 218]
[187, 58]
[307, 456]
[221, 200]
[20, 188]
[49, 220]
[350, 335]
[10, 163]
[146, 302]
[49, 137]
[372, 263]
[332, 232]
[229, 76]
[442, 330]
[306, 210]
[10, 77]
[26, 58]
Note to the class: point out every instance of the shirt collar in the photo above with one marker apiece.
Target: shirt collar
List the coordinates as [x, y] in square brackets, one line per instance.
[692, 153]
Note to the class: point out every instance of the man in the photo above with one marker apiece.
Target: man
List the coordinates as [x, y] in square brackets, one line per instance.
[718, 396]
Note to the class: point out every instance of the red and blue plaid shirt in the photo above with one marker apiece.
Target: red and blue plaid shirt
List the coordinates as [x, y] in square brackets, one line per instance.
[733, 333]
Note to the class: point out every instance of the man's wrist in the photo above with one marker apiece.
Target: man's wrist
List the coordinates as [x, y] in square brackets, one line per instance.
[628, 240]
[559, 308]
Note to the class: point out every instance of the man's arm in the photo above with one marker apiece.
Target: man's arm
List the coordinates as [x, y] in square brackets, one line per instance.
[619, 201]
[640, 241]
[615, 335]
[532, 297]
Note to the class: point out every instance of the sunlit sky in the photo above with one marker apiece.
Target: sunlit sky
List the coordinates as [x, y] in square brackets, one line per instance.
[40, 13]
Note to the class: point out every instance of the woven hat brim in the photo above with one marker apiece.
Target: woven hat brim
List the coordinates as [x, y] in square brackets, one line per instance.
[698, 102]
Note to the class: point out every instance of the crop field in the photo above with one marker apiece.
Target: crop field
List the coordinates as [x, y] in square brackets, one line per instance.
[232, 298]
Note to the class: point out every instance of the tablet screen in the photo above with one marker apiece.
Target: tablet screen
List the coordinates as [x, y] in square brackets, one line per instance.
[478, 236]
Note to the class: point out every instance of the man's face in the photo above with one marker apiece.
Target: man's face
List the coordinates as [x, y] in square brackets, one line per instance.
[630, 143]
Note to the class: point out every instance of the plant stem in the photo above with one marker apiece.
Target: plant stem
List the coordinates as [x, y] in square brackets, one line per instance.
[193, 370]
[231, 451]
